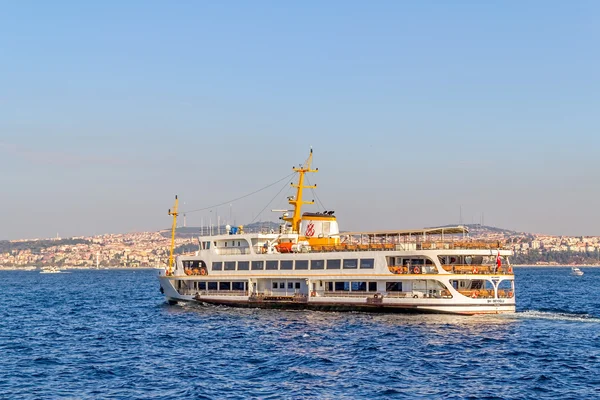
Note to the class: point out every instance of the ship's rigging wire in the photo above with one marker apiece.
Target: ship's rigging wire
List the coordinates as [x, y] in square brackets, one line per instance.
[274, 197]
[314, 192]
[303, 165]
[241, 197]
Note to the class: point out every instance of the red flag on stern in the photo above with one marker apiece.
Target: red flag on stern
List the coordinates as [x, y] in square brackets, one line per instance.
[498, 260]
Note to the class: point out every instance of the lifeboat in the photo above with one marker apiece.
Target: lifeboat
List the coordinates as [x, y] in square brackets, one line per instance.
[285, 247]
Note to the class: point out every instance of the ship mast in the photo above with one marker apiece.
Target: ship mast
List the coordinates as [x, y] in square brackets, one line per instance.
[174, 214]
[297, 201]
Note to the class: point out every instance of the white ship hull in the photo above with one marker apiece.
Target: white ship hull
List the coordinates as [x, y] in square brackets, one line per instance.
[339, 304]
[378, 289]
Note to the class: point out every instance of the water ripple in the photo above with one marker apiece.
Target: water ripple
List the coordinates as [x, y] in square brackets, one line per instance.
[109, 334]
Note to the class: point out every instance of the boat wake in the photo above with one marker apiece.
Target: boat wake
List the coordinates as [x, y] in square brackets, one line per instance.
[556, 316]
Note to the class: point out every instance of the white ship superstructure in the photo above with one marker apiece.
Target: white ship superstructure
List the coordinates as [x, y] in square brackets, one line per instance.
[310, 264]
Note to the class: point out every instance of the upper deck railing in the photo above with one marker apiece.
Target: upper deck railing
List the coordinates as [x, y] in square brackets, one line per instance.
[470, 269]
[437, 245]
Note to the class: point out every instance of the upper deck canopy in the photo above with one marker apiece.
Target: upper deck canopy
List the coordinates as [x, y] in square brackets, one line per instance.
[446, 230]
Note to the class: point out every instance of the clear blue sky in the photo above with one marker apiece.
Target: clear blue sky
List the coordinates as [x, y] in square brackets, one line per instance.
[414, 109]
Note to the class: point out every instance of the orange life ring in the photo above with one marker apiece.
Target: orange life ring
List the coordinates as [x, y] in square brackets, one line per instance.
[475, 270]
[474, 295]
[202, 271]
[313, 293]
[510, 294]
[416, 270]
[510, 270]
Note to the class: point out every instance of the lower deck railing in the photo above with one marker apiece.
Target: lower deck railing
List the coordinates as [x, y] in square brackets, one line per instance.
[486, 293]
[344, 293]
[436, 294]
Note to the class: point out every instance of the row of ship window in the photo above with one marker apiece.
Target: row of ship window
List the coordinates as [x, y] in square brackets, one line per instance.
[274, 265]
[330, 286]
[219, 285]
[362, 286]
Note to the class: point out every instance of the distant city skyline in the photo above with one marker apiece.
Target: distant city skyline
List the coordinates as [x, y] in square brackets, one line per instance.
[151, 249]
[418, 113]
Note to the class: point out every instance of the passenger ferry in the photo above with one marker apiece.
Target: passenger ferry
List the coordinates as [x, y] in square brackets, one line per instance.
[309, 264]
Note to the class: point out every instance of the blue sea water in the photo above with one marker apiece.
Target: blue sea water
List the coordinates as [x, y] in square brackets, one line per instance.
[110, 334]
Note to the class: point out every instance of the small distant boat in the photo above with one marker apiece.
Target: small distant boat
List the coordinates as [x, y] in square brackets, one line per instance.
[50, 270]
[576, 271]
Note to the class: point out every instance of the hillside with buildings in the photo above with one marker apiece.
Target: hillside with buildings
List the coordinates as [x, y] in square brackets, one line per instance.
[151, 249]
[540, 249]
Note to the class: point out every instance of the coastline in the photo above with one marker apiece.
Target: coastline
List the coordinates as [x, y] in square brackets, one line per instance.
[80, 269]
